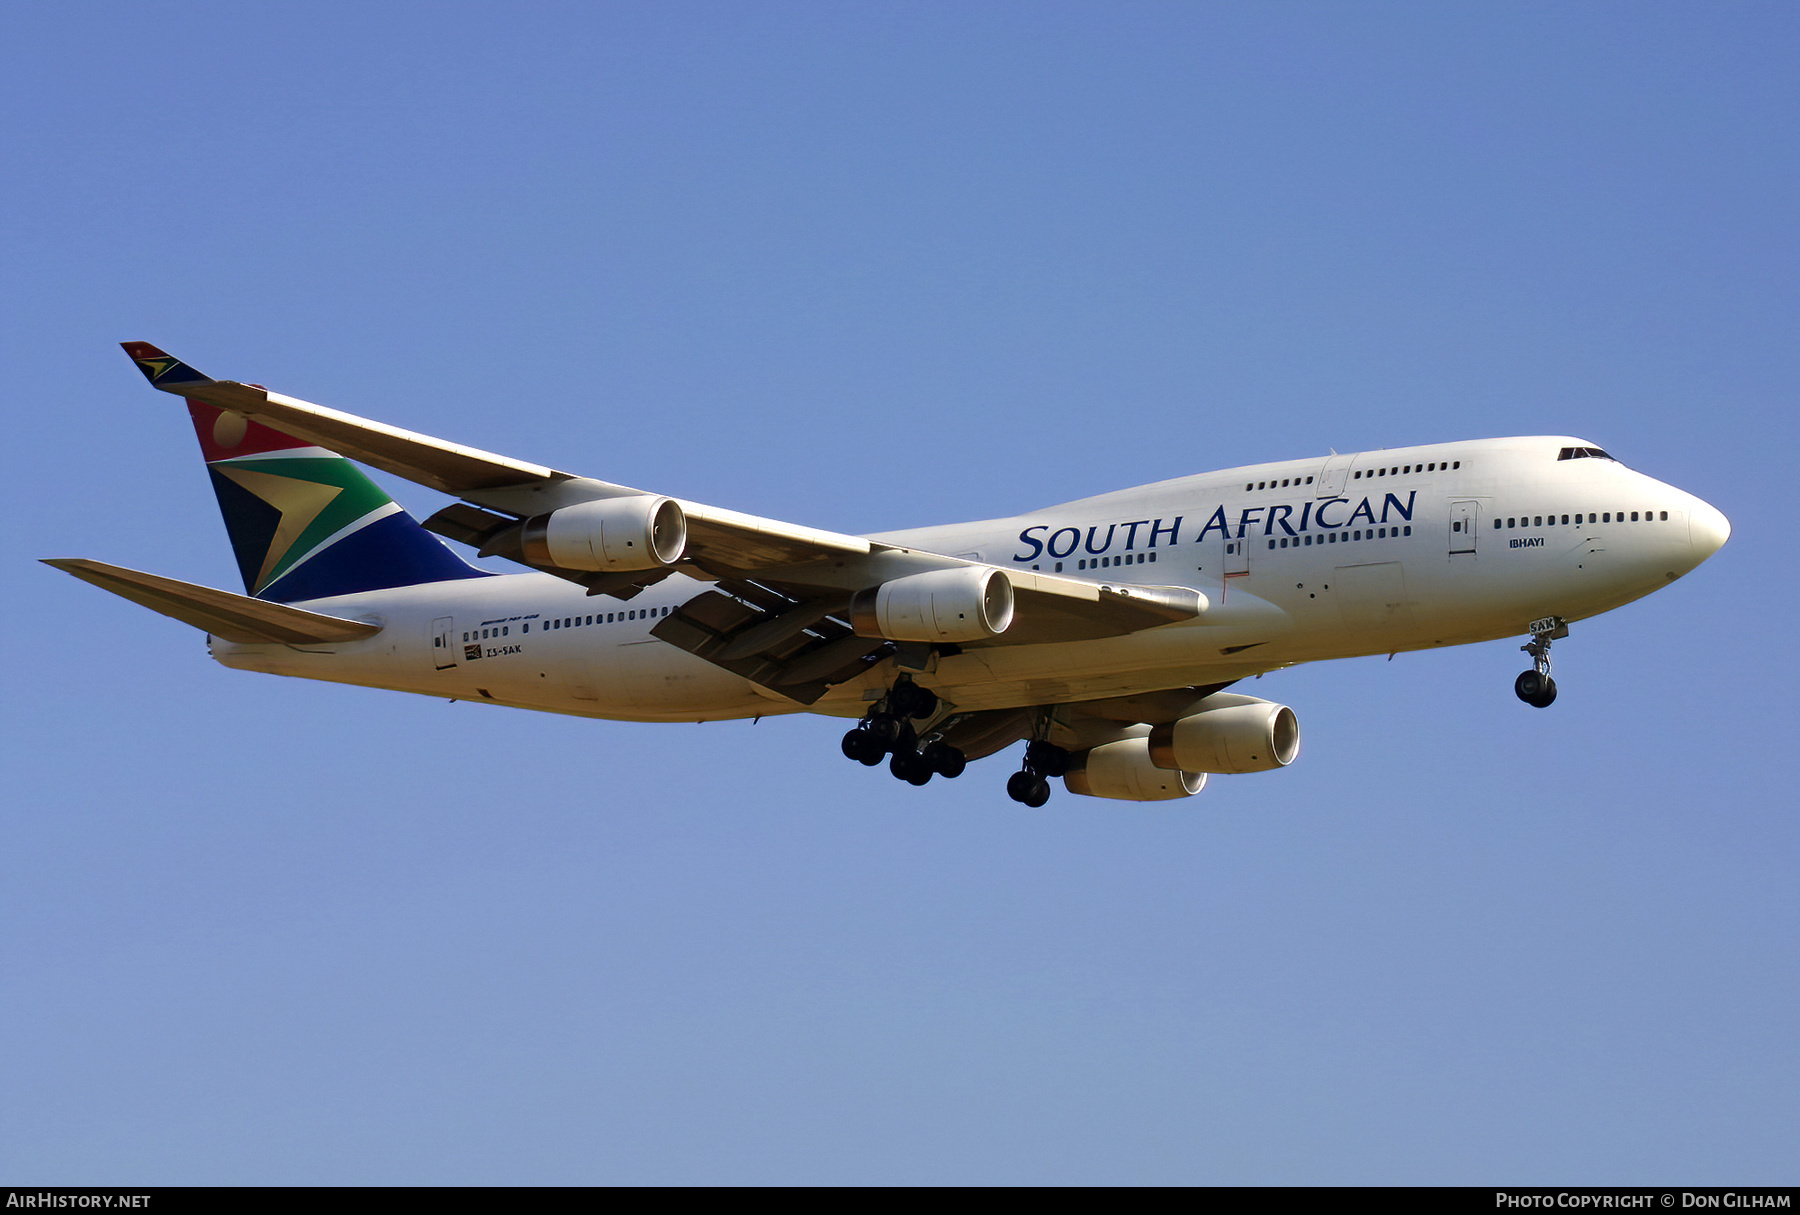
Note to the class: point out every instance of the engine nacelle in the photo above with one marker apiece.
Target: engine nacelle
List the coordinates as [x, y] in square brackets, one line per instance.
[1122, 770]
[1235, 734]
[968, 604]
[641, 532]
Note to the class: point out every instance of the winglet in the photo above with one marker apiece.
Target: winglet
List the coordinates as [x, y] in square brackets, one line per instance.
[163, 370]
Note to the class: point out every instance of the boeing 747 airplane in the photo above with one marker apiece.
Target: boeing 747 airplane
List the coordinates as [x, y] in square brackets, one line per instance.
[1104, 633]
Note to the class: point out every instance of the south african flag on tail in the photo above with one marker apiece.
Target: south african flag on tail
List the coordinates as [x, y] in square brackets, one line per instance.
[305, 523]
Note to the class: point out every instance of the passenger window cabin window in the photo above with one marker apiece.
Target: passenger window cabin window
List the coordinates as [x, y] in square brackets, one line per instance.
[1634, 517]
[1539, 521]
[1665, 516]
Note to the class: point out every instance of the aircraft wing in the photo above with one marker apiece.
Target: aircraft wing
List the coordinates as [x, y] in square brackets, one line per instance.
[790, 583]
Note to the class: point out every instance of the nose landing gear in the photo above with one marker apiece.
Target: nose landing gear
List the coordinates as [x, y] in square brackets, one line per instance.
[1535, 687]
[888, 729]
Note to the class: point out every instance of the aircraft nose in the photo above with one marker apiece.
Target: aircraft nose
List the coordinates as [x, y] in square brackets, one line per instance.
[1708, 529]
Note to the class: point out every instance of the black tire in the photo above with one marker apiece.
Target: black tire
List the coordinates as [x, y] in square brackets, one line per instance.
[884, 728]
[854, 747]
[909, 700]
[1046, 759]
[1019, 786]
[910, 767]
[1547, 696]
[1040, 793]
[945, 760]
[1529, 686]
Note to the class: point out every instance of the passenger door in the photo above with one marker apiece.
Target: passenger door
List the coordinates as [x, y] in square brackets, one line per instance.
[1331, 477]
[443, 637]
[1463, 518]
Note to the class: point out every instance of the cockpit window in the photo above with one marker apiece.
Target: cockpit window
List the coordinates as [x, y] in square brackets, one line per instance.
[1583, 453]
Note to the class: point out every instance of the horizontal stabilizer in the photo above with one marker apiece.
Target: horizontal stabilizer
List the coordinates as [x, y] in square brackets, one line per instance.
[231, 617]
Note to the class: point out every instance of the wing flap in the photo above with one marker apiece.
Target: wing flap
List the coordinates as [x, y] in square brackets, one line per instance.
[223, 614]
[793, 648]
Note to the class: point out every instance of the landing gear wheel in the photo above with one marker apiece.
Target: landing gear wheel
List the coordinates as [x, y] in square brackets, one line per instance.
[910, 767]
[1536, 690]
[1046, 759]
[1535, 687]
[945, 760]
[863, 747]
[908, 699]
[884, 728]
[1028, 788]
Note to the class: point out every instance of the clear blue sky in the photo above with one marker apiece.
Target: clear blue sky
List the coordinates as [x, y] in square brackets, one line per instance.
[867, 266]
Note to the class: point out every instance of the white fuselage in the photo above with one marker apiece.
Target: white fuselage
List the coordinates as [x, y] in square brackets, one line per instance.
[1332, 557]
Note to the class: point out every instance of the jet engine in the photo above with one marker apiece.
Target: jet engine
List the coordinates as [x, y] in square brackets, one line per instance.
[640, 532]
[1123, 770]
[1232, 734]
[968, 604]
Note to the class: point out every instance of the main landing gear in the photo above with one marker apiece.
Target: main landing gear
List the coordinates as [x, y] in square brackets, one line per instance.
[1031, 784]
[1535, 687]
[888, 729]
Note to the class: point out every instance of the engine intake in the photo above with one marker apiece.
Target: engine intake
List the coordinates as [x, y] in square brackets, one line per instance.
[641, 532]
[1237, 734]
[968, 604]
[1124, 771]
